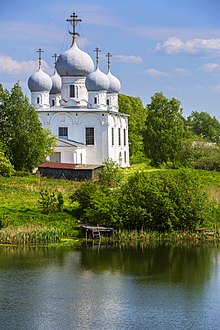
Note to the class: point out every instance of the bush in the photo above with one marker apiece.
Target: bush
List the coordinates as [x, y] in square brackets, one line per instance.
[163, 201]
[51, 202]
[6, 168]
[110, 174]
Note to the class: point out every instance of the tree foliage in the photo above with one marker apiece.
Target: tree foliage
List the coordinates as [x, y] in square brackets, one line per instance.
[110, 174]
[164, 129]
[137, 116]
[26, 141]
[160, 201]
[204, 125]
[195, 152]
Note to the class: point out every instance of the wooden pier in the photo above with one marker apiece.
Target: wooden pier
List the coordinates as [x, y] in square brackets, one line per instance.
[97, 231]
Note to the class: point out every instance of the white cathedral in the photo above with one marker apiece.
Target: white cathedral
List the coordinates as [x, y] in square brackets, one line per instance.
[80, 106]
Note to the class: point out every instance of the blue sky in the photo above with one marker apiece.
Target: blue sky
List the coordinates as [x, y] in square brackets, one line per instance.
[157, 45]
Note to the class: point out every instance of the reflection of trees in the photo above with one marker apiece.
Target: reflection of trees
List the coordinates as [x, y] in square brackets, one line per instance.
[31, 257]
[158, 262]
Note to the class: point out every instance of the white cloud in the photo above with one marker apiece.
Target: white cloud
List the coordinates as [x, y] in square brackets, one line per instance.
[182, 72]
[156, 73]
[210, 67]
[216, 89]
[128, 59]
[11, 66]
[174, 45]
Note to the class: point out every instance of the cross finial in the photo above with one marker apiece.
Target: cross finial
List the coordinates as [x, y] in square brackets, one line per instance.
[55, 56]
[40, 51]
[74, 20]
[108, 55]
[97, 50]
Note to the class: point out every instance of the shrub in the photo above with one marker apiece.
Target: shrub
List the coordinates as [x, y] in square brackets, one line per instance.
[6, 168]
[51, 202]
[163, 201]
[110, 174]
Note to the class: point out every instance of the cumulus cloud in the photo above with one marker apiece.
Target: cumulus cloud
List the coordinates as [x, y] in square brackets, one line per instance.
[156, 73]
[174, 45]
[182, 72]
[128, 59]
[210, 67]
[11, 66]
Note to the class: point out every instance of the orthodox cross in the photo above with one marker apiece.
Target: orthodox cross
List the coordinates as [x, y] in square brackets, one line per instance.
[74, 20]
[108, 55]
[40, 51]
[97, 50]
[55, 58]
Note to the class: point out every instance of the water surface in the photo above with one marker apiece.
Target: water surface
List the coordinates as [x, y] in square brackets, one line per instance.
[160, 286]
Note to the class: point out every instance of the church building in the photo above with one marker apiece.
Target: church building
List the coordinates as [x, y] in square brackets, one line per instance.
[79, 104]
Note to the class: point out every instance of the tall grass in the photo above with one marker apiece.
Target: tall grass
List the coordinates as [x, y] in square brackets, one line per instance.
[175, 236]
[30, 234]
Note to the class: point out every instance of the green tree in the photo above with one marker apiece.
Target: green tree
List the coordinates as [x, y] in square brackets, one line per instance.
[137, 116]
[163, 201]
[164, 129]
[110, 174]
[26, 141]
[204, 125]
[195, 152]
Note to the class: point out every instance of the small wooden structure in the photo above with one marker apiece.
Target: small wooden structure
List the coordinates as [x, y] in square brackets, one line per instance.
[97, 231]
[69, 171]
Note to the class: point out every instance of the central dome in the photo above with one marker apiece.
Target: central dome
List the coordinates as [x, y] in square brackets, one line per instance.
[74, 62]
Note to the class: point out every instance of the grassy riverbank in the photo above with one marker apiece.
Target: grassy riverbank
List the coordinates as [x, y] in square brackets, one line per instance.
[20, 207]
[19, 204]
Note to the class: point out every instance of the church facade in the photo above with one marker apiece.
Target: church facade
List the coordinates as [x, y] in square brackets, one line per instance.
[79, 105]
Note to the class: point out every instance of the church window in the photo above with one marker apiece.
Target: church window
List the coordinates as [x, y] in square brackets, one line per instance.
[90, 136]
[53, 103]
[124, 137]
[95, 100]
[72, 90]
[63, 133]
[113, 137]
[107, 102]
[119, 136]
[125, 156]
[38, 100]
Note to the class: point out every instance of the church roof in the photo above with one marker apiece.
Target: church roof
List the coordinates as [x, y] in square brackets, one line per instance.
[74, 62]
[39, 81]
[97, 81]
[114, 83]
[56, 83]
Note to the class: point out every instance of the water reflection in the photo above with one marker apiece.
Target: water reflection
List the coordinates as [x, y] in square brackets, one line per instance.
[108, 287]
[161, 262]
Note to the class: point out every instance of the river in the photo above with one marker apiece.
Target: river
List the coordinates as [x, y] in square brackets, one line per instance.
[157, 286]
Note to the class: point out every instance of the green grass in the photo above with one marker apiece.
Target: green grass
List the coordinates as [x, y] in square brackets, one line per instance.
[19, 196]
[19, 204]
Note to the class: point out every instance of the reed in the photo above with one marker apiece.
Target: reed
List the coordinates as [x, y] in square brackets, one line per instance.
[175, 236]
[30, 234]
